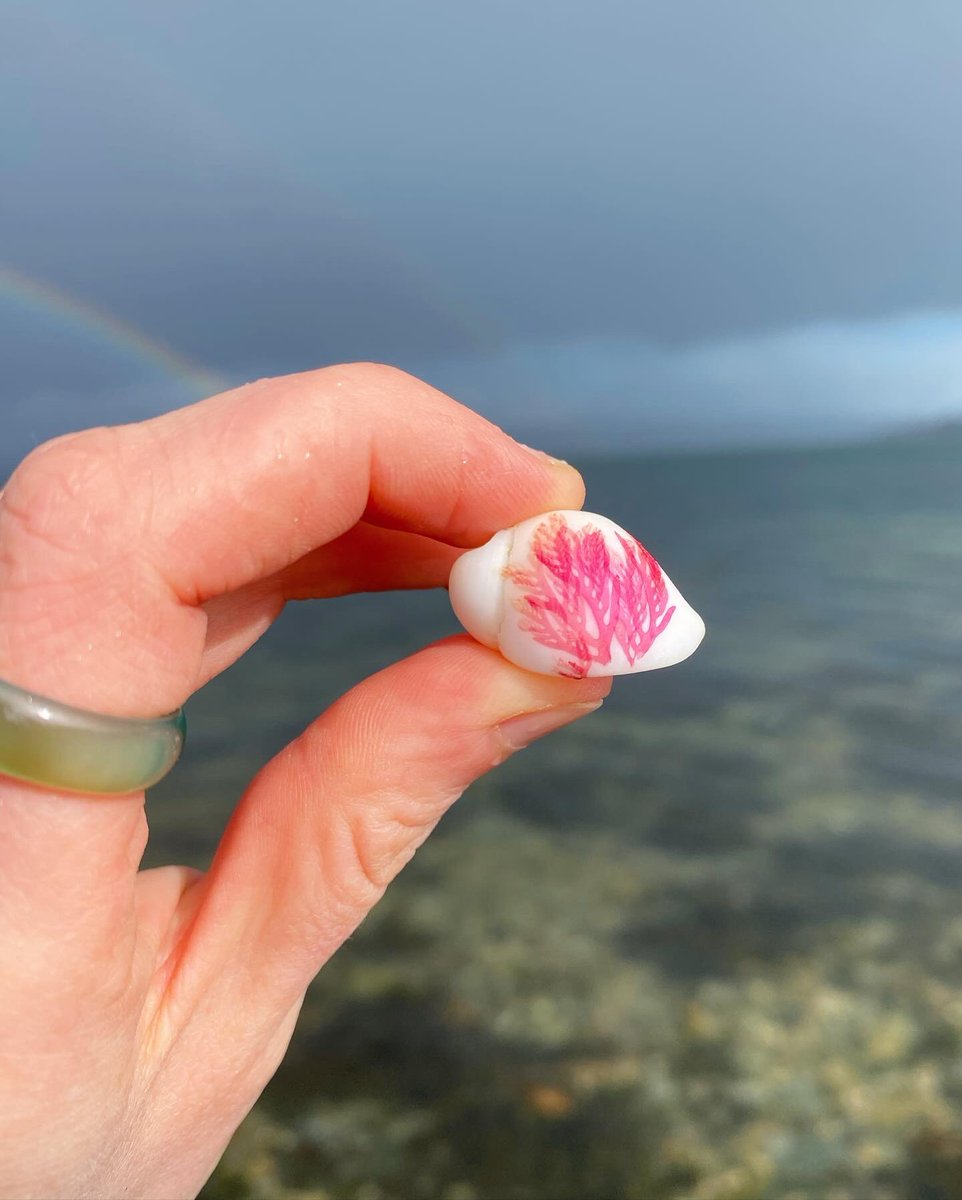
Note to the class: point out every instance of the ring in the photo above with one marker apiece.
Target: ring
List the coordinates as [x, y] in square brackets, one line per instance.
[71, 750]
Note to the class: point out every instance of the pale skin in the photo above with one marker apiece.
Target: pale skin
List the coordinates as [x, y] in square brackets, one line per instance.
[142, 1012]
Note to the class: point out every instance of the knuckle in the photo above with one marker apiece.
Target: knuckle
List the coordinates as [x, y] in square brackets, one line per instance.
[373, 847]
[382, 833]
[375, 376]
[61, 492]
[360, 875]
[335, 875]
[381, 841]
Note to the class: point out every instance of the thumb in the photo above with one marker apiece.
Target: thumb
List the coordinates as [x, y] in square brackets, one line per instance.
[328, 823]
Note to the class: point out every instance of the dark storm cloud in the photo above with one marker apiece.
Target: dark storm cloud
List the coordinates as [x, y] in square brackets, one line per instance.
[269, 187]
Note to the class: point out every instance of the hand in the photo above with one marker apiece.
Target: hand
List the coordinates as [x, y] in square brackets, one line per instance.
[141, 1013]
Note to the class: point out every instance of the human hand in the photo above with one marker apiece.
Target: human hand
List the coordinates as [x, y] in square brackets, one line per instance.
[142, 1013]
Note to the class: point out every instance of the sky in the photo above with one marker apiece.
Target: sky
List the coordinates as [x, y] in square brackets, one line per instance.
[613, 224]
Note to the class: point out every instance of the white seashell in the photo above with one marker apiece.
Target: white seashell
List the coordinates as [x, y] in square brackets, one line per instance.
[571, 593]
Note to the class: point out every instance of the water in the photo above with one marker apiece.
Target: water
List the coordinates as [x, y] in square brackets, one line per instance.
[708, 944]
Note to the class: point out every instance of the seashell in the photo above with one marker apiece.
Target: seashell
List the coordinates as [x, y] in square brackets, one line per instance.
[571, 593]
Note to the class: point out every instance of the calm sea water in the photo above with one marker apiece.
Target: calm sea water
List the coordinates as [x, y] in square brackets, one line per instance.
[709, 943]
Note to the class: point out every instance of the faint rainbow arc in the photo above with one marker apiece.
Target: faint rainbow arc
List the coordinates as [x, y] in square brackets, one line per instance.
[50, 298]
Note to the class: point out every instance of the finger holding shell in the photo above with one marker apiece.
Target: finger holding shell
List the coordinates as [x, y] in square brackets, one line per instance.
[572, 593]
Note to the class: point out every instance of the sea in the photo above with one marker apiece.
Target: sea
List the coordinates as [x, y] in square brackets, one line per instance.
[707, 944]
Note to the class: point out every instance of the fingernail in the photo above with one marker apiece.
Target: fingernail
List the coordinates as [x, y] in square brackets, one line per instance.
[522, 730]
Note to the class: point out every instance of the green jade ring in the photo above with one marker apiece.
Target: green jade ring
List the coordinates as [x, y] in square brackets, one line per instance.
[69, 749]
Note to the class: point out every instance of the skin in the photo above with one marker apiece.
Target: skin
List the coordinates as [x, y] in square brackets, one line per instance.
[142, 1012]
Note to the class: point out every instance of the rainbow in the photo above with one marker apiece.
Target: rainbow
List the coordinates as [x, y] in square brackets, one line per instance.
[33, 293]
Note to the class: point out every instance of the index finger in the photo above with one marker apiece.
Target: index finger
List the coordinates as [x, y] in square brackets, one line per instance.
[111, 539]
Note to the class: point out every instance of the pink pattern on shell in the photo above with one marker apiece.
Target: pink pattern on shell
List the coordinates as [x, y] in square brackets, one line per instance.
[580, 600]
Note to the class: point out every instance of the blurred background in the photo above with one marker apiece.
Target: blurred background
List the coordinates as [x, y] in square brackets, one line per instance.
[709, 943]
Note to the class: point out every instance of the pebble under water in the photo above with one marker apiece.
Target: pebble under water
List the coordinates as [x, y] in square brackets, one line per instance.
[705, 945]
